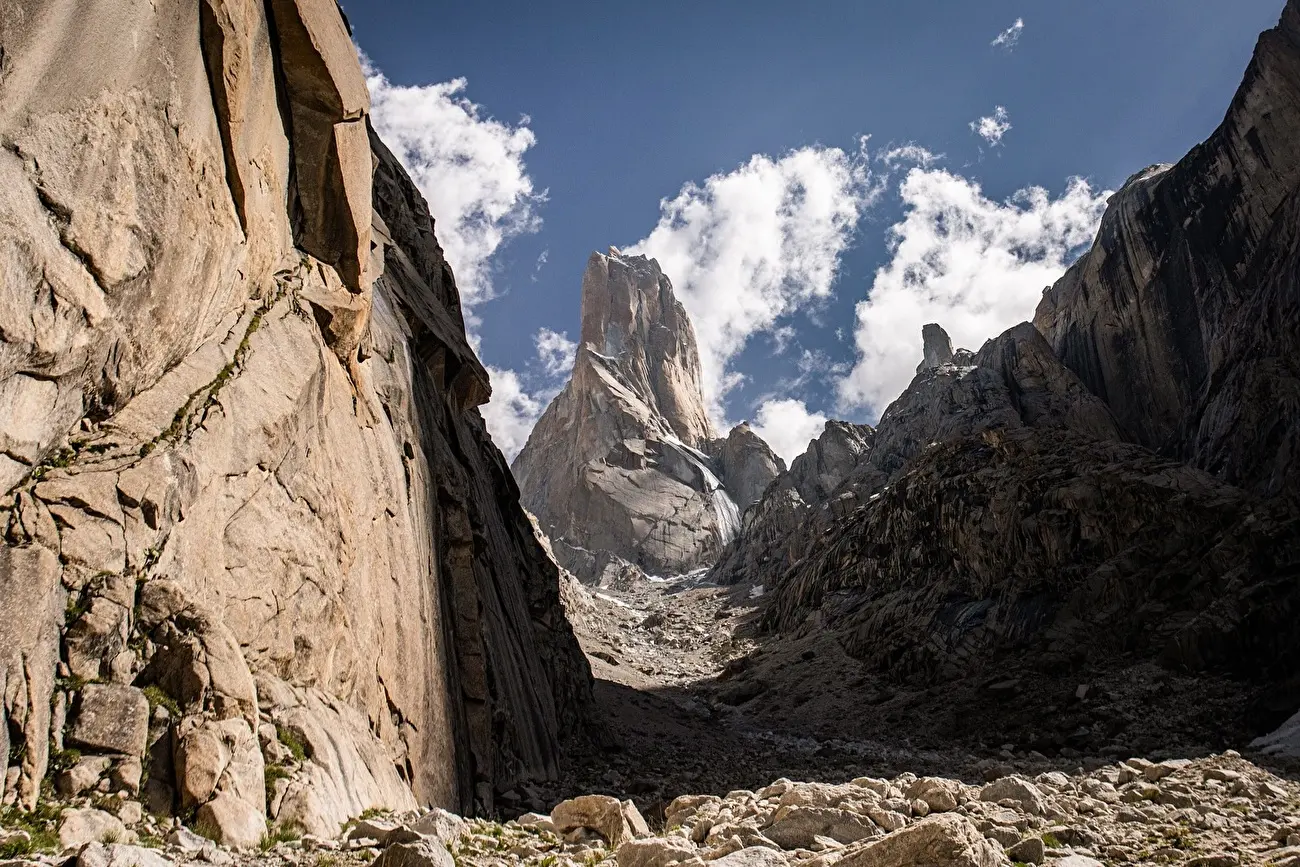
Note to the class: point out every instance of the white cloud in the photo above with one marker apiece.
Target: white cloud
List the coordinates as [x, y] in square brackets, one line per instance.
[1008, 38]
[512, 412]
[520, 398]
[745, 248]
[973, 265]
[993, 128]
[787, 426]
[555, 351]
[781, 338]
[910, 153]
[469, 166]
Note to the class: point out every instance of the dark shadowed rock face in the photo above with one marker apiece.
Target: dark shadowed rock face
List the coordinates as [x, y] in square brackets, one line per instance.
[242, 461]
[622, 470]
[1185, 315]
[1013, 382]
[1114, 486]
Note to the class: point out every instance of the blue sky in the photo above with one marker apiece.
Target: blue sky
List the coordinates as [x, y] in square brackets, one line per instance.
[586, 116]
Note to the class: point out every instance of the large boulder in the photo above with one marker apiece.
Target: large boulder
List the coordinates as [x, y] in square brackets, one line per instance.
[616, 821]
[655, 852]
[946, 840]
[421, 853]
[111, 718]
[79, 827]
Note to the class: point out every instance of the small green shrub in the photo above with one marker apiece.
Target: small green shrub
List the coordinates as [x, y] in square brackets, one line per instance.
[283, 834]
[158, 698]
[291, 742]
[62, 760]
[1051, 841]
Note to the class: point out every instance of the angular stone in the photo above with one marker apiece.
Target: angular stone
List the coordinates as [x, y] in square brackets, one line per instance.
[232, 821]
[424, 853]
[939, 795]
[615, 821]
[120, 855]
[83, 775]
[796, 827]
[753, 856]
[1015, 789]
[112, 718]
[946, 840]
[79, 827]
[1029, 851]
[443, 826]
[654, 852]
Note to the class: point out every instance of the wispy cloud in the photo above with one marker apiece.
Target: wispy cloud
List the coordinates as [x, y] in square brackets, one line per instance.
[750, 246]
[908, 154]
[1008, 38]
[974, 265]
[994, 127]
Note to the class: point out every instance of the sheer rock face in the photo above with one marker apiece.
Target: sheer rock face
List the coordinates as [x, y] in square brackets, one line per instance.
[616, 469]
[1185, 315]
[1099, 487]
[238, 428]
[746, 463]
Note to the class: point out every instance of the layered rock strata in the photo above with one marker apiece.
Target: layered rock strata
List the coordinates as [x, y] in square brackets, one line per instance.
[256, 537]
[618, 469]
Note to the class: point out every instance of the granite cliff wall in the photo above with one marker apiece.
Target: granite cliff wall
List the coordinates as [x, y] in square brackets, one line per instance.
[248, 496]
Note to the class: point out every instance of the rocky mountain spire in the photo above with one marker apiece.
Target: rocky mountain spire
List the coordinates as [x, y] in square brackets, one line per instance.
[618, 469]
[631, 317]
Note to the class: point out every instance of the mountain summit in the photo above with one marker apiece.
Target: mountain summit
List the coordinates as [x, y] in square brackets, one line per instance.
[618, 469]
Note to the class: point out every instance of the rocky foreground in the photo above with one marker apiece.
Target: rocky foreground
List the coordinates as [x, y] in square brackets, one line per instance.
[1220, 811]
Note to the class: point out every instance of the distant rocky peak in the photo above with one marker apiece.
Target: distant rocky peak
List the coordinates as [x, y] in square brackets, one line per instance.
[632, 319]
[938, 346]
[938, 350]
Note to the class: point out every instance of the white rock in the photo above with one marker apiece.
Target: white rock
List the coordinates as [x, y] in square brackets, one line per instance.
[422, 853]
[945, 840]
[654, 852]
[80, 827]
[120, 855]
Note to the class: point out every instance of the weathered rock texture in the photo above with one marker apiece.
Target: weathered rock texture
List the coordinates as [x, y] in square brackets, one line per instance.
[616, 469]
[1185, 315]
[238, 437]
[1116, 484]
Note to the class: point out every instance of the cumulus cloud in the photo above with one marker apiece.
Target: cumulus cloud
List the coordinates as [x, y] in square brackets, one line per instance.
[520, 397]
[1008, 38]
[555, 351]
[787, 426]
[748, 247]
[512, 412]
[992, 128]
[469, 166]
[974, 265]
